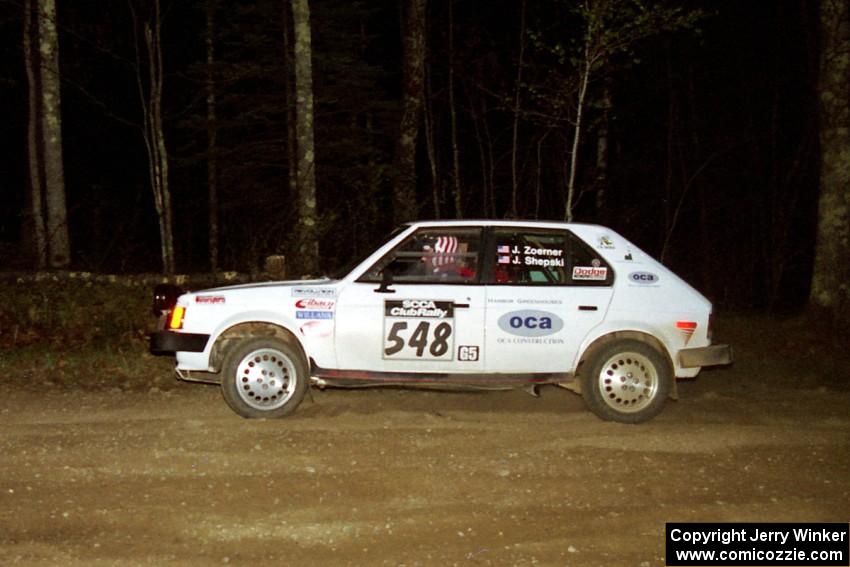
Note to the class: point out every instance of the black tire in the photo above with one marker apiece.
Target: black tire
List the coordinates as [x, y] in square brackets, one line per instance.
[626, 381]
[264, 377]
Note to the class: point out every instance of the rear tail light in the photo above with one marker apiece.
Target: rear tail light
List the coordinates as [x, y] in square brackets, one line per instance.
[175, 318]
[687, 328]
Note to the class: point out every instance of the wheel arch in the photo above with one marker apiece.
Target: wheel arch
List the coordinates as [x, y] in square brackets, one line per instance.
[251, 329]
[631, 334]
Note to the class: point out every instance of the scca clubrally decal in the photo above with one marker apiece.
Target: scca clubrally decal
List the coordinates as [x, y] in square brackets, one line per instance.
[416, 308]
[418, 329]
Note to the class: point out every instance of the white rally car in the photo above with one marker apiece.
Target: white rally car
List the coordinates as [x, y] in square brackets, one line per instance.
[480, 304]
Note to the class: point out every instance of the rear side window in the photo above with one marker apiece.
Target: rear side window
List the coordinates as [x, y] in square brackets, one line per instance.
[545, 257]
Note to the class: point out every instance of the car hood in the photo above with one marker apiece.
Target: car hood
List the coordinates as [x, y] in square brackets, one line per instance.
[307, 284]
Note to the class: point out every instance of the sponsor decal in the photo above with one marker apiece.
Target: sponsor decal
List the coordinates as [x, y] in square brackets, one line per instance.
[527, 255]
[687, 328]
[530, 323]
[605, 242]
[590, 273]
[316, 304]
[540, 301]
[210, 299]
[314, 315]
[313, 292]
[643, 278]
[316, 329]
[529, 341]
[419, 308]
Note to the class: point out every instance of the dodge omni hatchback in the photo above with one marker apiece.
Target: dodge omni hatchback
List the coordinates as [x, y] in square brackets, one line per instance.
[447, 304]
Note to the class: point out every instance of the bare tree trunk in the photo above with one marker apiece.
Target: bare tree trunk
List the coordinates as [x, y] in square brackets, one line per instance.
[430, 148]
[404, 190]
[539, 182]
[482, 159]
[453, 113]
[212, 134]
[707, 241]
[582, 94]
[59, 248]
[518, 90]
[308, 248]
[289, 95]
[539, 187]
[34, 155]
[669, 164]
[491, 185]
[150, 94]
[602, 145]
[830, 289]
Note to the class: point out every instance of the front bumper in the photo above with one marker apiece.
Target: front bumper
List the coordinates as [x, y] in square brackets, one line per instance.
[714, 355]
[169, 342]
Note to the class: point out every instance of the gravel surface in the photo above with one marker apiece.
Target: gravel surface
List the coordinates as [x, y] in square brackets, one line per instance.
[166, 474]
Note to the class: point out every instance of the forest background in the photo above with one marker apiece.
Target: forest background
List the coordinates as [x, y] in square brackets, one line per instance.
[693, 128]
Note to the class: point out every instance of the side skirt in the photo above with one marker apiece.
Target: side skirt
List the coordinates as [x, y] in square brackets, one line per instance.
[360, 378]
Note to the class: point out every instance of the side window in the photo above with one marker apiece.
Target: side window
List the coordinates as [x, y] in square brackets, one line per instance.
[586, 267]
[529, 258]
[432, 255]
[545, 257]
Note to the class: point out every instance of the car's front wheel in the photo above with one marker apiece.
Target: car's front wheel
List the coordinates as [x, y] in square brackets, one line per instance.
[626, 381]
[264, 377]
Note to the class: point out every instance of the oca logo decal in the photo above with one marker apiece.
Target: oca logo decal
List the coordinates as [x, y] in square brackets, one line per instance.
[643, 278]
[530, 323]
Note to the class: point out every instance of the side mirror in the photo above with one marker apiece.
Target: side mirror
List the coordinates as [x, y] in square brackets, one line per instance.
[386, 281]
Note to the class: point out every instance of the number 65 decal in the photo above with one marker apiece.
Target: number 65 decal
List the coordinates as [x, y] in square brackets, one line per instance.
[422, 340]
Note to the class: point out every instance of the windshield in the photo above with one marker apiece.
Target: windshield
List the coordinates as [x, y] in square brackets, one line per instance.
[340, 273]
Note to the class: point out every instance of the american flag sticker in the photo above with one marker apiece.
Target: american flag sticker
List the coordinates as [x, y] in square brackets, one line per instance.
[504, 259]
[505, 249]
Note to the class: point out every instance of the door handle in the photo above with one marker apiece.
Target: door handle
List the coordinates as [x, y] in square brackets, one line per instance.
[588, 308]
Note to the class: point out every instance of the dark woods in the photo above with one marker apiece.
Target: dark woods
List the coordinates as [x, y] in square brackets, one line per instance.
[690, 127]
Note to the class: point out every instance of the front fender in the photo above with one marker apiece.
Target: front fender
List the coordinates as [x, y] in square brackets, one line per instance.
[260, 318]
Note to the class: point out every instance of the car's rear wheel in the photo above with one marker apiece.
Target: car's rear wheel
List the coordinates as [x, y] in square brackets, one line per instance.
[626, 380]
[264, 377]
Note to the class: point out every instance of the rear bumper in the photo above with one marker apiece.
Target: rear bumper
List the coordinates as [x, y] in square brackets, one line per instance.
[169, 342]
[714, 355]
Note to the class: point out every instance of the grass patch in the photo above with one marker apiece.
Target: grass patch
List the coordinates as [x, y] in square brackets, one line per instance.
[79, 333]
[67, 314]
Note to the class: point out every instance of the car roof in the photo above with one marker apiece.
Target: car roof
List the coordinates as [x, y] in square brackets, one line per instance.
[499, 222]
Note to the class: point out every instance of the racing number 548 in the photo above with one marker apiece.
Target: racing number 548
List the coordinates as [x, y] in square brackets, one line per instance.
[421, 340]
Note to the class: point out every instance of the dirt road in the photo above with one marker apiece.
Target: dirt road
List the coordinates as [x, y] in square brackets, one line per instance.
[168, 475]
